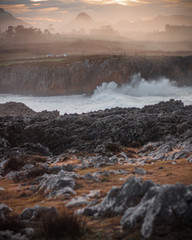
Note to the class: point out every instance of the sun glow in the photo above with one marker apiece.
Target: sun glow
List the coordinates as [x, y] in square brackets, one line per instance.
[125, 2]
[38, 0]
[107, 2]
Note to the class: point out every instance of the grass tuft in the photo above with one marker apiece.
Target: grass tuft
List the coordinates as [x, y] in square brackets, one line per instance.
[65, 226]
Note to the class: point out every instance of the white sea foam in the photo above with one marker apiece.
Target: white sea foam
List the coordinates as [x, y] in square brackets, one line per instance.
[136, 94]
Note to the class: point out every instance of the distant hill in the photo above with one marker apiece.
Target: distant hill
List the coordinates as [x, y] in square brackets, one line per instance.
[7, 19]
[81, 22]
[157, 23]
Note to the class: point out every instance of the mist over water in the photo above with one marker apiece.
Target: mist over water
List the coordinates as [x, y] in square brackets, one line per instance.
[137, 93]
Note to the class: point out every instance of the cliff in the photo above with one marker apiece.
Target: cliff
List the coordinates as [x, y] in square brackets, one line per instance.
[78, 75]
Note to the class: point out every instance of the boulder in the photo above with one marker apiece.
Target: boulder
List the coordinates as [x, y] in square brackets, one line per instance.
[37, 212]
[4, 210]
[62, 182]
[77, 202]
[160, 205]
[119, 199]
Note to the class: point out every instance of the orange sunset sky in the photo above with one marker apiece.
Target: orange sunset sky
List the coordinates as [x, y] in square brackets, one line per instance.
[40, 13]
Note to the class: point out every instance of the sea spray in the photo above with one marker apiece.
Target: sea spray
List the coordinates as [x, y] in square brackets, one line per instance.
[137, 93]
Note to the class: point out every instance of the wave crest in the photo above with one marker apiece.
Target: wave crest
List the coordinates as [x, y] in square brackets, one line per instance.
[138, 87]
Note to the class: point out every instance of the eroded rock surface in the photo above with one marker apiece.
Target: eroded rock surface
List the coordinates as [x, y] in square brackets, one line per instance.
[122, 126]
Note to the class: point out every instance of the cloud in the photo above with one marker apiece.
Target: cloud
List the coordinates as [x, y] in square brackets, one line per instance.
[102, 10]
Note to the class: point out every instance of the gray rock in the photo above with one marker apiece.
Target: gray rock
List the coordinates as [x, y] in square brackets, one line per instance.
[180, 154]
[113, 159]
[53, 183]
[3, 143]
[119, 199]
[140, 171]
[160, 205]
[94, 194]
[2, 188]
[66, 191]
[189, 159]
[37, 212]
[159, 156]
[90, 177]
[4, 210]
[77, 202]
[27, 166]
[121, 171]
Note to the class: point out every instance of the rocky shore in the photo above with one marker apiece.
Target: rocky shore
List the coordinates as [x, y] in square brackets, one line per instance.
[82, 74]
[127, 170]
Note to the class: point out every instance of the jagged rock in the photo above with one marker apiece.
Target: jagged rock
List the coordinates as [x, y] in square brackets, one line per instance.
[180, 154]
[89, 176]
[37, 212]
[119, 199]
[140, 171]
[160, 205]
[3, 143]
[17, 175]
[77, 202]
[52, 183]
[4, 210]
[66, 191]
[94, 194]
[122, 126]
[159, 156]
[189, 159]
[104, 173]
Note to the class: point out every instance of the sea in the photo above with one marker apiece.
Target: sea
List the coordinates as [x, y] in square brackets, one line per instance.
[138, 93]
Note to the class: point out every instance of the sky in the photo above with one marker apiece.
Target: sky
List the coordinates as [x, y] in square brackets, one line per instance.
[41, 13]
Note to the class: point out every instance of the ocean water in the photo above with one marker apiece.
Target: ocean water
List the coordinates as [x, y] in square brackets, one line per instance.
[137, 93]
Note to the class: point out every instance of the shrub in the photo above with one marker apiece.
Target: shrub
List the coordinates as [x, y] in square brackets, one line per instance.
[67, 225]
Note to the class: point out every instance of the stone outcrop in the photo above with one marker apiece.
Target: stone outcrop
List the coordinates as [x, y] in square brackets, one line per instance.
[145, 203]
[84, 74]
[160, 205]
[55, 185]
[122, 126]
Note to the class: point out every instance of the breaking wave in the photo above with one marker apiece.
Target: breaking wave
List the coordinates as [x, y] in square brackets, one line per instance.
[137, 93]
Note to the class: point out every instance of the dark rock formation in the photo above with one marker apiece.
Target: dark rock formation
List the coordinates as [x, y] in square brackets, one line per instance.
[83, 75]
[123, 126]
[13, 109]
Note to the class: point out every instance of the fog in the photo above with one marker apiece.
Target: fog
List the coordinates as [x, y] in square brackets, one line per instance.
[85, 33]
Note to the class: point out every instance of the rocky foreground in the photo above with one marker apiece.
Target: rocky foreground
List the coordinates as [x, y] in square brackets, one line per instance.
[82, 74]
[126, 171]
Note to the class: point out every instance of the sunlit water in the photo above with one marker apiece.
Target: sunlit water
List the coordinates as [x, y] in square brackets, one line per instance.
[136, 94]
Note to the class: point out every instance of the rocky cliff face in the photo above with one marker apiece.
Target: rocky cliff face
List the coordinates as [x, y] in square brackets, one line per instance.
[85, 74]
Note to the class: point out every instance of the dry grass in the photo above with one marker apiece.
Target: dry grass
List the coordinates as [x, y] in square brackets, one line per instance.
[18, 196]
